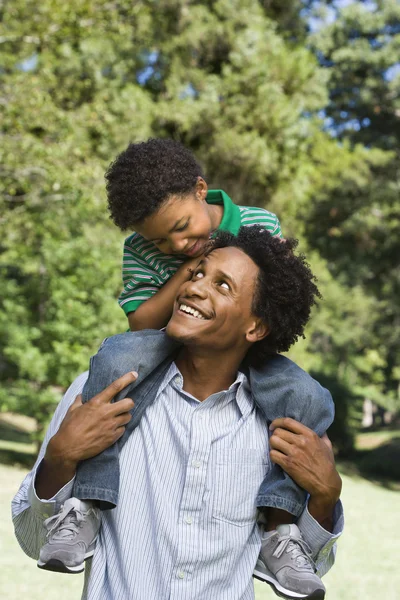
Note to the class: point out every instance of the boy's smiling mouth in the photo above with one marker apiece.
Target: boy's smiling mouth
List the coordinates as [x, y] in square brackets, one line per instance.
[195, 249]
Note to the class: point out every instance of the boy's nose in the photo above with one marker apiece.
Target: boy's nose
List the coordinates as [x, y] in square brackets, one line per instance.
[179, 245]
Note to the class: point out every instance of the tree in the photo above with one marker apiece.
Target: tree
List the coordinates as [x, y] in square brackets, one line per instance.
[355, 220]
[83, 79]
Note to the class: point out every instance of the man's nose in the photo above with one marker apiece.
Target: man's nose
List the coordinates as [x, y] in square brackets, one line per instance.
[197, 287]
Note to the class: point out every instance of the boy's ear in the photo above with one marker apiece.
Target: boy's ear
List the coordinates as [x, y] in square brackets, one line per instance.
[201, 189]
[257, 331]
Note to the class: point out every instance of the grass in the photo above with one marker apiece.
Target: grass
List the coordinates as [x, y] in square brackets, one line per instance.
[366, 566]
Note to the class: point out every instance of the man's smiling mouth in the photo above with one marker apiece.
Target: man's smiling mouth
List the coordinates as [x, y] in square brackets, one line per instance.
[192, 311]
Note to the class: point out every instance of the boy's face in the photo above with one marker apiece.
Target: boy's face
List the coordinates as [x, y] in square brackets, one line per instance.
[183, 224]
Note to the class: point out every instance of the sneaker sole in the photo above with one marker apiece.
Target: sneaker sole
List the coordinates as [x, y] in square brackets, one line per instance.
[58, 566]
[262, 574]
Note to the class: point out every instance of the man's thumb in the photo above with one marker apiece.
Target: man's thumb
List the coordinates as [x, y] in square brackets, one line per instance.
[76, 403]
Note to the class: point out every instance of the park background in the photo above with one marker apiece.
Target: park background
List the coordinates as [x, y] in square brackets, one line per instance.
[292, 105]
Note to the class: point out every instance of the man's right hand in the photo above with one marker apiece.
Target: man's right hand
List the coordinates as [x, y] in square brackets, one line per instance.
[86, 430]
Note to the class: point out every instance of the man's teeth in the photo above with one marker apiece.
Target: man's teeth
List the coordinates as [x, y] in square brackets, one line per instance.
[191, 311]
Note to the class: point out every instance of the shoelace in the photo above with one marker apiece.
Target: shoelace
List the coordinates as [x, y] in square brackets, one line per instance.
[298, 548]
[65, 524]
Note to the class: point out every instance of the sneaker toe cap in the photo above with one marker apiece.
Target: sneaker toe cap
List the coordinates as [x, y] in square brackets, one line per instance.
[71, 556]
[303, 583]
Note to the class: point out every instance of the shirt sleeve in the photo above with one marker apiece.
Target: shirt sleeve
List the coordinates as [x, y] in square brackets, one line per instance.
[140, 281]
[29, 511]
[276, 229]
[321, 542]
[260, 216]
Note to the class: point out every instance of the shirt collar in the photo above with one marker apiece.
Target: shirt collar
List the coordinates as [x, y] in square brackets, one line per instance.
[231, 218]
[239, 390]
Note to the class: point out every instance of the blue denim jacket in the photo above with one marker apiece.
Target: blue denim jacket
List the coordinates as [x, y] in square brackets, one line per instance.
[279, 388]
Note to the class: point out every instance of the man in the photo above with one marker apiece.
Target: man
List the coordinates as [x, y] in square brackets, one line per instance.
[185, 523]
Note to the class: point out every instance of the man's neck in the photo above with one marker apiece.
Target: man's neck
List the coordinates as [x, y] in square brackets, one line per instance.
[204, 375]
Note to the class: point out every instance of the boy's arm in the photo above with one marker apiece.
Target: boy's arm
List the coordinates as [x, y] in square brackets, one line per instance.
[155, 312]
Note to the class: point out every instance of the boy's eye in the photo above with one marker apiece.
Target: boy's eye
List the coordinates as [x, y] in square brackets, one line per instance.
[198, 274]
[183, 227]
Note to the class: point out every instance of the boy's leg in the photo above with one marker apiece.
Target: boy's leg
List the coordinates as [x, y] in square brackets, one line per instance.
[72, 533]
[281, 389]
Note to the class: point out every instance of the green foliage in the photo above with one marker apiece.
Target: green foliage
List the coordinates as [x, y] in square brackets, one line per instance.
[354, 222]
[239, 82]
[361, 49]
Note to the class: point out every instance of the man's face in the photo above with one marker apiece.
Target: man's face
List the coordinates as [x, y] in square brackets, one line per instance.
[180, 226]
[213, 309]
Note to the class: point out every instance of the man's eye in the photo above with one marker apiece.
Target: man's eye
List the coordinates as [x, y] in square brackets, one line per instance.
[198, 274]
[224, 285]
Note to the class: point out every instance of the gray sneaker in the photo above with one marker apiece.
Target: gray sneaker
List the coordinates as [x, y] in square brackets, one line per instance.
[71, 537]
[285, 563]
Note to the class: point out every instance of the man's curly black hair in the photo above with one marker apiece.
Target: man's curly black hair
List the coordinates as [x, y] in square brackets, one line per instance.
[145, 175]
[285, 289]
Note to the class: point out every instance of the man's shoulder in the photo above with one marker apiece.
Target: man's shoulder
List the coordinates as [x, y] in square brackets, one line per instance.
[140, 351]
[285, 367]
[135, 350]
[145, 339]
[281, 369]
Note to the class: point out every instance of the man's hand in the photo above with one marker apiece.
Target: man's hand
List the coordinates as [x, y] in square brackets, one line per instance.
[309, 461]
[86, 430]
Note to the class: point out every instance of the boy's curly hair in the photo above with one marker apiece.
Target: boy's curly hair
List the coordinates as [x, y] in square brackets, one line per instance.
[285, 289]
[145, 175]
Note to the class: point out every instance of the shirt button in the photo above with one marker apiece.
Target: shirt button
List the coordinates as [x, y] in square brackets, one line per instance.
[181, 575]
[196, 464]
[188, 520]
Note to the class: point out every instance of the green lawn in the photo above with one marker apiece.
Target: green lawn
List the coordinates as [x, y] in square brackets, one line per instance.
[366, 567]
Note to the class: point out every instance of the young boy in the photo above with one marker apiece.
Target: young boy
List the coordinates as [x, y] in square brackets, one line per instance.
[157, 189]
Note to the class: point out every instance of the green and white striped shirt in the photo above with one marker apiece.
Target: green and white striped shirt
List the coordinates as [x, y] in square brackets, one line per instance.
[145, 269]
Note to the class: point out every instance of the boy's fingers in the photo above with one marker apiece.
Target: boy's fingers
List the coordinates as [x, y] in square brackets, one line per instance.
[116, 386]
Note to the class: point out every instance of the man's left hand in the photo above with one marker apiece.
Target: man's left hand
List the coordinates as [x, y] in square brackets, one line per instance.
[309, 461]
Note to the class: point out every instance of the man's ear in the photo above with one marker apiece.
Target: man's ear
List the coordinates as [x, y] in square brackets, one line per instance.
[257, 331]
[201, 189]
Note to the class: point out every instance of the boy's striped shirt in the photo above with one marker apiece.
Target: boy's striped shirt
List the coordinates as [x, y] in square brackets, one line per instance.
[145, 269]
